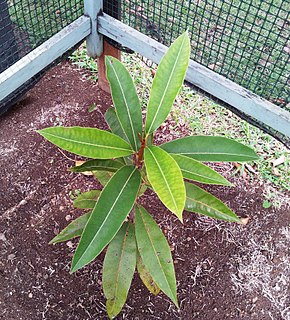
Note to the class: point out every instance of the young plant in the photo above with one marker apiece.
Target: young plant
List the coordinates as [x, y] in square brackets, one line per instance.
[126, 163]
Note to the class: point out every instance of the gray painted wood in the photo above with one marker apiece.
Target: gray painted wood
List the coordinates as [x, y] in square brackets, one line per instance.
[95, 40]
[42, 56]
[209, 81]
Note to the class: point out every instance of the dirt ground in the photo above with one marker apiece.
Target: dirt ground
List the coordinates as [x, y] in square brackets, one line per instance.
[224, 271]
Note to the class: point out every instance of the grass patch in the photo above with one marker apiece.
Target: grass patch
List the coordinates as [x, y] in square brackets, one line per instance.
[80, 58]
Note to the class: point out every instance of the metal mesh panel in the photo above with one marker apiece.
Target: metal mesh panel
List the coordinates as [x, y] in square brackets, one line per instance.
[24, 25]
[246, 41]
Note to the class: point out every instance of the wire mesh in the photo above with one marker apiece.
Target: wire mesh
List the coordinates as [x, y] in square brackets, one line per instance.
[245, 41]
[24, 25]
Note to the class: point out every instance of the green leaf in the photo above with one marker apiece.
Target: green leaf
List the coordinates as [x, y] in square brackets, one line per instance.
[87, 142]
[102, 176]
[99, 165]
[197, 171]
[206, 148]
[200, 201]
[146, 276]
[114, 123]
[118, 269]
[167, 82]
[114, 204]
[150, 139]
[125, 100]
[166, 179]
[155, 253]
[87, 200]
[266, 204]
[74, 229]
[92, 107]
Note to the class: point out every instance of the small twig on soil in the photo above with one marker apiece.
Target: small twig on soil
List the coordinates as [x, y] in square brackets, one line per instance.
[74, 160]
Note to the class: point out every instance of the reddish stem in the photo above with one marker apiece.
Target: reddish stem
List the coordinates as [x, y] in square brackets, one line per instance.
[141, 151]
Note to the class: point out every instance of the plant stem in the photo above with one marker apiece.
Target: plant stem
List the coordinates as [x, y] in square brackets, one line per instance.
[139, 161]
[132, 214]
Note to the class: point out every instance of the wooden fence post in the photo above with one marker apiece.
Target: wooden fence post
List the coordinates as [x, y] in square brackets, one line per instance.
[113, 8]
[102, 79]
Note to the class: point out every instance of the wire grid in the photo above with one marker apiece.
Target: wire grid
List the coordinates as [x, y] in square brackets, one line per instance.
[245, 41]
[24, 25]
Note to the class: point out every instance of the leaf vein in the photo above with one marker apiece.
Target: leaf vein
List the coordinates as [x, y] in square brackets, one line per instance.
[119, 264]
[108, 215]
[87, 143]
[164, 178]
[127, 108]
[145, 225]
[206, 205]
[168, 82]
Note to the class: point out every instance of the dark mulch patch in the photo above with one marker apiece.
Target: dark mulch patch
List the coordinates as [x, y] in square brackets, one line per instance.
[34, 204]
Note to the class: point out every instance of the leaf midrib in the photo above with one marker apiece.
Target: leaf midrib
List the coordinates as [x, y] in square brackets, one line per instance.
[127, 108]
[169, 81]
[199, 175]
[164, 178]
[208, 206]
[93, 168]
[87, 199]
[119, 265]
[145, 225]
[86, 143]
[105, 220]
[217, 153]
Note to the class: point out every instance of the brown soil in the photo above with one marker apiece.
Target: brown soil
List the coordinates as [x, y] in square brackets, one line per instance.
[224, 271]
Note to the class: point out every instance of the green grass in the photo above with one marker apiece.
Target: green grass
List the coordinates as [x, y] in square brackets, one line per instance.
[80, 58]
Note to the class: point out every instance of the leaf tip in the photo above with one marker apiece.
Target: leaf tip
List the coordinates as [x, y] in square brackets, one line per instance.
[39, 131]
[175, 301]
[185, 33]
[179, 216]
[74, 268]
[111, 316]
[110, 310]
[52, 241]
